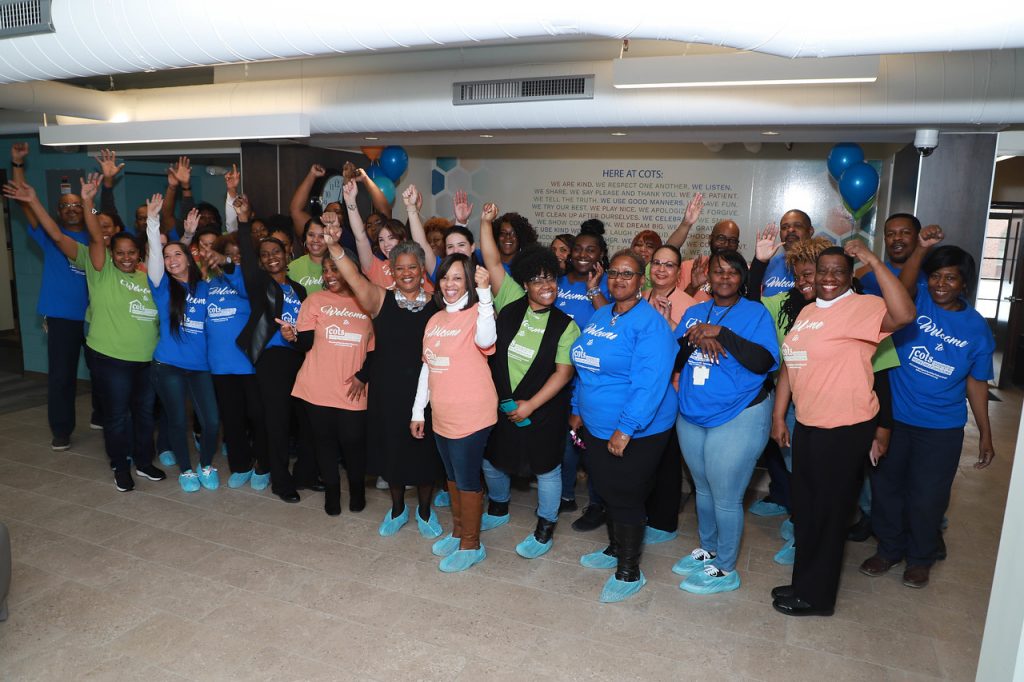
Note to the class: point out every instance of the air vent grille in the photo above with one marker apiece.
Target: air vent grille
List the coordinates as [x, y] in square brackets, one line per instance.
[25, 17]
[523, 90]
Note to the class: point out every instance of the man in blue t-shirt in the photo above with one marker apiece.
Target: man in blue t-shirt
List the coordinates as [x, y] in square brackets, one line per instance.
[794, 226]
[63, 298]
[900, 232]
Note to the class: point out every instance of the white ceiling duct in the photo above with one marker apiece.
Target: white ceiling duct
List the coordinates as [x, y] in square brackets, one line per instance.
[97, 37]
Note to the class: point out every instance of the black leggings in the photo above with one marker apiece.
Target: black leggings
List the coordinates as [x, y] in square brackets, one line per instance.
[339, 432]
[625, 482]
[241, 416]
[663, 502]
[275, 373]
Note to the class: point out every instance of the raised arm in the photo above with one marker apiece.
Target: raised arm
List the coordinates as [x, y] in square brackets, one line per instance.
[461, 208]
[300, 199]
[231, 181]
[690, 217]
[486, 328]
[355, 221]
[489, 247]
[19, 155]
[155, 257]
[189, 226]
[109, 167]
[928, 237]
[377, 198]
[369, 295]
[24, 194]
[97, 249]
[900, 309]
[246, 249]
[412, 199]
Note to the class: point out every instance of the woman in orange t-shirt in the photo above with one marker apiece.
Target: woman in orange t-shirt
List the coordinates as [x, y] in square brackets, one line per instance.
[335, 332]
[456, 381]
[828, 374]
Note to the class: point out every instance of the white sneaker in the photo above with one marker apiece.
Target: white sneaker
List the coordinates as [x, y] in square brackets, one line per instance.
[381, 484]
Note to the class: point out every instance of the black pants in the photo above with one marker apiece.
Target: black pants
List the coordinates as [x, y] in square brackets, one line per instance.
[275, 374]
[663, 502]
[778, 475]
[338, 432]
[827, 475]
[241, 416]
[64, 342]
[625, 482]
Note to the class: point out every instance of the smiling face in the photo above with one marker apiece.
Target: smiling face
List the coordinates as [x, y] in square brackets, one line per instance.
[644, 248]
[69, 208]
[386, 241]
[833, 276]
[407, 273]
[508, 242]
[259, 230]
[561, 251]
[725, 280]
[232, 251]
[900, 240]
[586, 254]
[140, 219]
[333, 281]
[725, 236]
[664, 268]
[373, 224]
[436, 239]
[176, 261]
[453, 284]
[125, 255]
[457, 243]
[315, 244]
[542, 290]
[793, 227]
[272, 258]
[803, 274]
[946, 286]
[623, 278]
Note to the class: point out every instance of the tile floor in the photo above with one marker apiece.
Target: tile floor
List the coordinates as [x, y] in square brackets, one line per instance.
[159, 585]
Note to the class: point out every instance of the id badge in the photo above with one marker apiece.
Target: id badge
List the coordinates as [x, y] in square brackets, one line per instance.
[701, 374]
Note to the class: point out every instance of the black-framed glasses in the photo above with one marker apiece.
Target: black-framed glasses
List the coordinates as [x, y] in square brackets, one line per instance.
[541, 279]
[621, 274]
[73, 204]
[664, 264]
[728, 241]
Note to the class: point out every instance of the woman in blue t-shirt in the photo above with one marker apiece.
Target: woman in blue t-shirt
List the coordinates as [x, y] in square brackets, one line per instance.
[728, 347]
[180, 366]
[623, 407]
[945, 358]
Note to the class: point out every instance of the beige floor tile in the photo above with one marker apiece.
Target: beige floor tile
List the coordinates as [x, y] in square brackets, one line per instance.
[153, 510]
[84, 523]
[82, 562]
[161, 546]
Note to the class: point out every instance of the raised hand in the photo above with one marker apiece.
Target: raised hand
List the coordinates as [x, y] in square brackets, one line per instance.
[462, 208]
[482, 277]
[360, 175]
[489, 214]
[411, 197]
[183, 171]
[108, 164]
[192, 221]
[213, 259]
[19, 152]
[349, 191]
[349, 171]
[153, 206]
[858, 250]
[699, 272]
[693, 209]
[90, 186]
[232, 179]
[22, 192]
[929, 236]
[767, 243]
[594, 278]
[242, 208]
[317, 171]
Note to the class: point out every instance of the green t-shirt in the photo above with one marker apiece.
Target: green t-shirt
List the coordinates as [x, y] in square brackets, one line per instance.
[885, 356]
[524, 347]
[307, 273]
[123, 317]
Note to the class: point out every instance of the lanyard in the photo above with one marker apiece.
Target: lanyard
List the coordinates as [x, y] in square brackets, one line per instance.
[727, 311]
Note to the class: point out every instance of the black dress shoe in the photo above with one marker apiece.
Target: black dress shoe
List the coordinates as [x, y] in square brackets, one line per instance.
[593, 518]
[317, 487]
[567, 506]
[289, 497]
[860, 531]
[940, 553]
[795, 606]
[782, 591]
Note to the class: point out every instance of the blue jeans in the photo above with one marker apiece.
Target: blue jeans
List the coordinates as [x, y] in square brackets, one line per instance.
[173, 384]
[549, 489]
[125, 392]
[570, 463]
[463, 458]
[722, 459]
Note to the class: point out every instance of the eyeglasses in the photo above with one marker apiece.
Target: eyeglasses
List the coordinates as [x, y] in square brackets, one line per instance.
[71, 205]
[664, 264]
[621, 274]
[722, 239]
[541, 279]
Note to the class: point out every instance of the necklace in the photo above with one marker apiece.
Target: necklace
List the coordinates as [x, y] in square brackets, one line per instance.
[616, 316]
[728, 309]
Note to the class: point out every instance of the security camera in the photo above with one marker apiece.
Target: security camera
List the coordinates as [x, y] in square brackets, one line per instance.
[925, 141]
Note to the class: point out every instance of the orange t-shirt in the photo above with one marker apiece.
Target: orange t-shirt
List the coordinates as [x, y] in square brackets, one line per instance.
[342, 335]
[462, 395]
[685, 276]
[380, 274]
[828, 358]
[680, 302]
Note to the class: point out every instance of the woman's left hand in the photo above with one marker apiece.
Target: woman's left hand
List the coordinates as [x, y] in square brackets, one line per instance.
[986, 453]
[701, 331]
[522, 412]
[482, 277]
[356, 388]
[617, 443]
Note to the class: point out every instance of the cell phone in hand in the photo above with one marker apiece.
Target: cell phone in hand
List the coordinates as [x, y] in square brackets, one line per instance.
[510, 405]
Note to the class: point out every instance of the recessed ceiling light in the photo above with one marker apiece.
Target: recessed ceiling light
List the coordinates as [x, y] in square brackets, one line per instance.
[485, 135]
[769, 132]
[370, 137]
[619, 134]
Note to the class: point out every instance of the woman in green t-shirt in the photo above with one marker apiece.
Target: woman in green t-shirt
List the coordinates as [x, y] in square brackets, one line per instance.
[532, 373]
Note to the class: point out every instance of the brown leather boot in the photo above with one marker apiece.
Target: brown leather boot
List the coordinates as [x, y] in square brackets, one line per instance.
[456, 507]
[472, 511]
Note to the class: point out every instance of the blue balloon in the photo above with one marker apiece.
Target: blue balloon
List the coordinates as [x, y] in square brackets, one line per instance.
[842, 156]
[387, 187]
[375, 172]
[858, 185]
[394, 161]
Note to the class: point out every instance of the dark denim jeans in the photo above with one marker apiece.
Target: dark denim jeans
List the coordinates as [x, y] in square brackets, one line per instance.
[173, 385]
[64, 340]
[463, 458]
[126, 396]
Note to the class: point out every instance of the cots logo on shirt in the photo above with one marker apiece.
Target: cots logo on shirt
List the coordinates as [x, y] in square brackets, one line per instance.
[218, 314]
[436, 363]
[141, 311]
[339, 337]
[520, 351]
[584, 361]
[795, 359]
[922, 361]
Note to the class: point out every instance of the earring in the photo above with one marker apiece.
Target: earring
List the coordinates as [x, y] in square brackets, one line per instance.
[639, 295]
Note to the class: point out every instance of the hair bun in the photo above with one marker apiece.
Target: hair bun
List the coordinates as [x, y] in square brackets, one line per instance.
[592, 226]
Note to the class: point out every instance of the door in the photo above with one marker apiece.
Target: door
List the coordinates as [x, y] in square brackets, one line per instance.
[1000, 288]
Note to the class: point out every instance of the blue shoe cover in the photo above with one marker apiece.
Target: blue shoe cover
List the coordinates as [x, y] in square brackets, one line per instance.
[445, 546]
[786, 529]
[710, 581]
[391, 525]
[209, 478]
[189, 481]
[259, 481]
[653, 536]
[167, 458]
[442, 499]
[693, 562]
[462, 559]
[488, 522]
[531, 549]
[240, 479]
[618, 590]
[598, 560]
[787, 555]
[767, 508]
[431, 528]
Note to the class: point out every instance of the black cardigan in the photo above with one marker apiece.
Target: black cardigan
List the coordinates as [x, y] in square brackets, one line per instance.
[266, 298]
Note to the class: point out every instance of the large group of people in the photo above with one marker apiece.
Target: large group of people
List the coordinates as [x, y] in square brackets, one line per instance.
[409, 351]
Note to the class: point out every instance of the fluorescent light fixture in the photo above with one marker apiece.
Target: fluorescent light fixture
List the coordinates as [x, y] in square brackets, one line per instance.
[740, 69]
[370, 137]
[486, 136]
[769, 132]
[177, 130]
[618, 134]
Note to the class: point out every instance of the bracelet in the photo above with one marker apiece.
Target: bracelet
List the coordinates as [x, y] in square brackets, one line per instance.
[15, 164]
[339, 258]
[350, 207]
[591, 293]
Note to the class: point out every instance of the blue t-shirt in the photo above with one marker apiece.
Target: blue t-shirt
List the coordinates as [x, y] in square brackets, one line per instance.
[289, 313]
[227, 311]
[63, 292]
[938, 351]
[187, 348]
[777, 277]
[624, 371]
[869, 282]
[709, 394]
[572, 299]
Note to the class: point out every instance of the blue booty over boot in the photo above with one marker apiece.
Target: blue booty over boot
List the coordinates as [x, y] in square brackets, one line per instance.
[462, 559]
[653, 536]
[617, 590]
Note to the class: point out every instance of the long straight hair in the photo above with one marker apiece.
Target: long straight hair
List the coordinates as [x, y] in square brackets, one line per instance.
[468, 266]
[178, 291]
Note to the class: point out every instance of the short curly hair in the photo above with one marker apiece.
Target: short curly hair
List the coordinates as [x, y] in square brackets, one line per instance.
[524, 230]
[436, 224]
[532, 261]
[806, 251]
